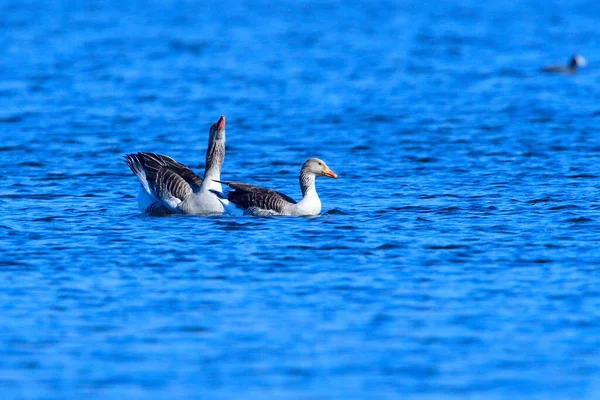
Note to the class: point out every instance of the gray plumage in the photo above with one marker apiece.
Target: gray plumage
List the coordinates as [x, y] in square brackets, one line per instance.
[157, 208]
[168, 186]
[168, 180]
[153, 162]
[256, 200]
[254, 197]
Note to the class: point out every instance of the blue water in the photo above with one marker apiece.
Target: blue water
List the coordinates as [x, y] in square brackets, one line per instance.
[456, 257]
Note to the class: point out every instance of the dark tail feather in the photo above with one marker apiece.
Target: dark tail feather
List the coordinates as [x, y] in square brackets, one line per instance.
[217, 193]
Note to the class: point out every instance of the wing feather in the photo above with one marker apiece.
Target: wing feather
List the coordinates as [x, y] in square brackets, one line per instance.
[157, 208]
[168, 181]
[180, 169]
[251, 197]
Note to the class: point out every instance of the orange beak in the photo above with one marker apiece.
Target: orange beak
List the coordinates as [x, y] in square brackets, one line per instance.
[221, 122]
[329, 173]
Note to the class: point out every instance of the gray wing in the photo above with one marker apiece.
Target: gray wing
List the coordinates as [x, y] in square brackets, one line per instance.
[168, 181]
[180, 169]
[157, 208]
[255, 197]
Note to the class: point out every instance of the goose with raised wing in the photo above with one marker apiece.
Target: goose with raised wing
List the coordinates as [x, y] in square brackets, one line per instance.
[256, 200]
[169, 187]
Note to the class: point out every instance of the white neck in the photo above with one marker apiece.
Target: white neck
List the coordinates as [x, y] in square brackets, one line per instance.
[310, 203]
[213, 173]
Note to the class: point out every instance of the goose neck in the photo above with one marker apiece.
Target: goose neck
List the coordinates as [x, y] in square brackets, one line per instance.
[215, 155]
[307, 183]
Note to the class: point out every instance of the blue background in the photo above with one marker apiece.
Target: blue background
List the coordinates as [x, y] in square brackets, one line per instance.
[457, 255]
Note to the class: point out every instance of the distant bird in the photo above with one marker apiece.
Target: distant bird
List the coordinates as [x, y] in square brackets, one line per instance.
[576, 62]
[169, 187]
[255, 200]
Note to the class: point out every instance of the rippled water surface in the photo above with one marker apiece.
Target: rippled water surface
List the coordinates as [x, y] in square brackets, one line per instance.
[456, 257]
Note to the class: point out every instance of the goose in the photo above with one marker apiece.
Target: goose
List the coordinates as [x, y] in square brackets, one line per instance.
[576, 62]
[169, 187]
[255, 200]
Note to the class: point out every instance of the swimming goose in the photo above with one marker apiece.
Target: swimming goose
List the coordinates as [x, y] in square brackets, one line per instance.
[169, 187]
[576, 62]
[255, 200]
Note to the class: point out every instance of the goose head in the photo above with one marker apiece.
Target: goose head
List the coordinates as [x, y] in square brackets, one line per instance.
[318, 167]
[577, 61]
[217, 130]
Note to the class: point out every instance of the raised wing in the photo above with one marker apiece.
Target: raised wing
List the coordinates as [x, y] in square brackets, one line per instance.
[168, 181]
[180, 169]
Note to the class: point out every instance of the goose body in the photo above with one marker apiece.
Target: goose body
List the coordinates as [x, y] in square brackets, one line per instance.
[169, 187]
[255, 200]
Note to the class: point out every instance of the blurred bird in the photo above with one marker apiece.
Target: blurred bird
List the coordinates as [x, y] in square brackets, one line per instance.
[576, 62]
